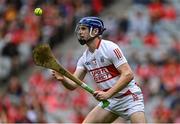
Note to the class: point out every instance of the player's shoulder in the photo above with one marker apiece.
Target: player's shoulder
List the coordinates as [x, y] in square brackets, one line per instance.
[84, 53]
[108, 44]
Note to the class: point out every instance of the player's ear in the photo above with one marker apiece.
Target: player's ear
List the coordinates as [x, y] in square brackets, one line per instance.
[95, 31]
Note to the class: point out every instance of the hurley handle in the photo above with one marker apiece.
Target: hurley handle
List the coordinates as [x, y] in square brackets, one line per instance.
[90, 90]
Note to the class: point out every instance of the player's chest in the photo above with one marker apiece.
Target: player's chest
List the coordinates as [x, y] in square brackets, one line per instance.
[96, 60]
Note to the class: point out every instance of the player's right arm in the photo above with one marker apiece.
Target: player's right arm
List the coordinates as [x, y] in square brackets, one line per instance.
[69, 84]
[79, 73]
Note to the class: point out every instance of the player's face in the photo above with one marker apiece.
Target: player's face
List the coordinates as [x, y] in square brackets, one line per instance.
[82, 32]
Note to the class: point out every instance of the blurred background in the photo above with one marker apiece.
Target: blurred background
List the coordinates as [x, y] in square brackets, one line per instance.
[147, 31]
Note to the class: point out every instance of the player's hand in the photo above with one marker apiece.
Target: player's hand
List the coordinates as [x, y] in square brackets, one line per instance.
[57, 75]
[101, 95]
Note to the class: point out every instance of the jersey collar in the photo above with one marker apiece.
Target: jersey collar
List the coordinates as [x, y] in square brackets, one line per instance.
[99, 42]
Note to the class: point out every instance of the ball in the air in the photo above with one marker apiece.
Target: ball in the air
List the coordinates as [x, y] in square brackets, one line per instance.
[38, 11]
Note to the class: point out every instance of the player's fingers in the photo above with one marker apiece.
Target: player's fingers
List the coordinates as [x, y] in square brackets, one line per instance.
[57, 75]
[53, 72]
[96, 94]
[97, 98]
[60, 78]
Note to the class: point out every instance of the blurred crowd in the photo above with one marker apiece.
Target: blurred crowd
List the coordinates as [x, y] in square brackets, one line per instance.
[20, 31]
[148, 34]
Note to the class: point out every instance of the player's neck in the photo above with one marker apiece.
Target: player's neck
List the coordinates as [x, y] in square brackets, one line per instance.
[94, 44]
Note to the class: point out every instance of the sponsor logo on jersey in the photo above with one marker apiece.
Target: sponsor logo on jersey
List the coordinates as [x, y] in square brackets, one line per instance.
[101, 74]
[87, 63]
[91, 62]
[104, 73]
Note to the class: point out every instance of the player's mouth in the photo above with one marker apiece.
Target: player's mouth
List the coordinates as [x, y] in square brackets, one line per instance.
[81, 37]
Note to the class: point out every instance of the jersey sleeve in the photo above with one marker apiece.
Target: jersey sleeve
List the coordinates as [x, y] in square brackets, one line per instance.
[116, 56]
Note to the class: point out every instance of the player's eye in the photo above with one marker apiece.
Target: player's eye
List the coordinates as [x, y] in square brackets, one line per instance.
[83, 28]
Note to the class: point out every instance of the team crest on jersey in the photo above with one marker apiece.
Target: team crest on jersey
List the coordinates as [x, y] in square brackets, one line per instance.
[94, 61]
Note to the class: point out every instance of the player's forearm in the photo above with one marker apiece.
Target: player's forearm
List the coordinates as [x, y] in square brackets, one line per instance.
[121, 83]
[67, 83]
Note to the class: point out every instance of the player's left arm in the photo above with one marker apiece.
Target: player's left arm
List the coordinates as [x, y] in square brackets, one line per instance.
[122, 82]
[125, 77]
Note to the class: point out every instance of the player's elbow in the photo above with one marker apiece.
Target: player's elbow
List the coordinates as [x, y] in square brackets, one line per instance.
[129, 75]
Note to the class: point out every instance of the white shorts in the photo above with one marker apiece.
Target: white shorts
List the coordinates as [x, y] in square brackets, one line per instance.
[126, 105]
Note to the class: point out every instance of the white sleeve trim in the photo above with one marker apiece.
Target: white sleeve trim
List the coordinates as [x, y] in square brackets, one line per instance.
[120, 63]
